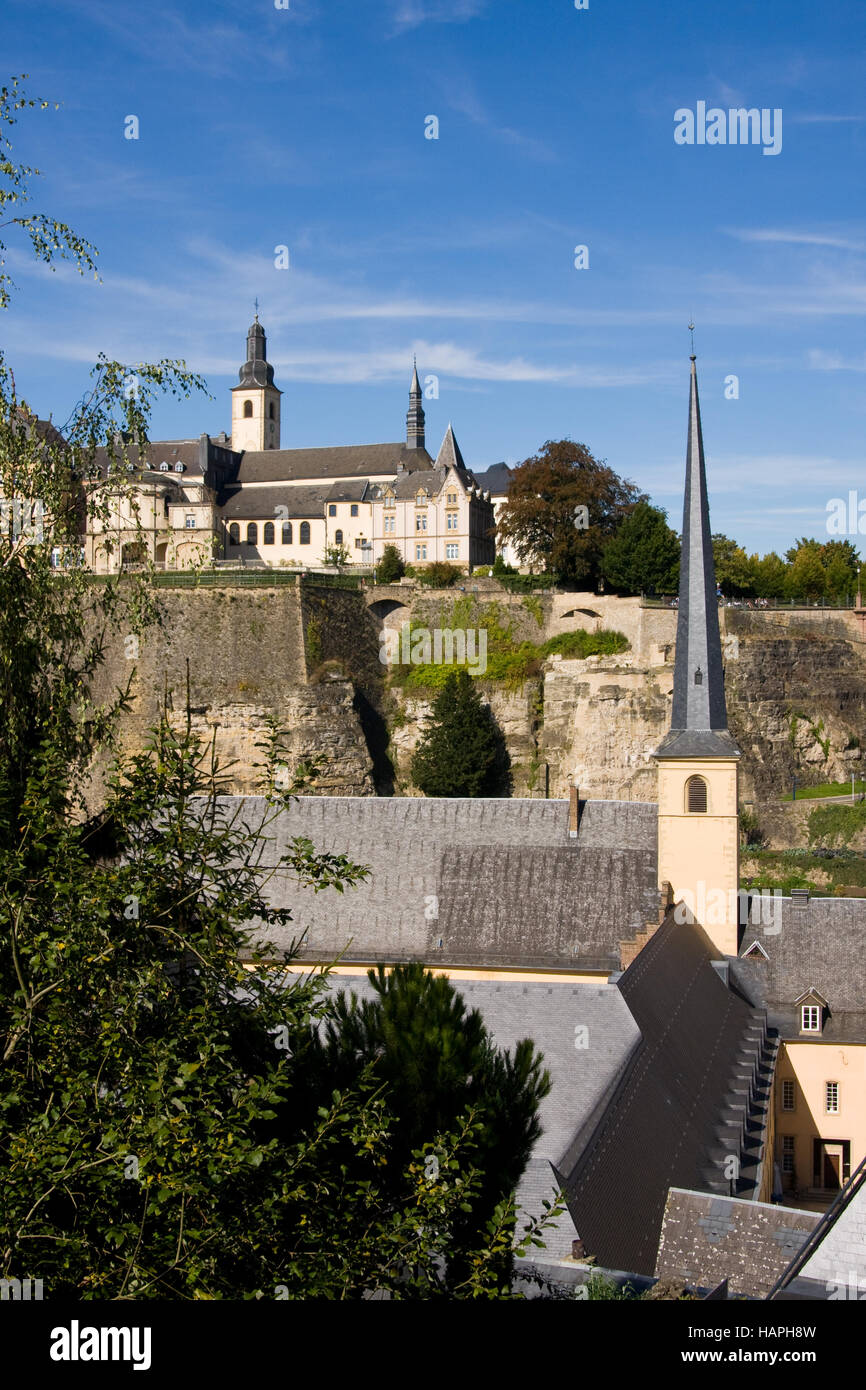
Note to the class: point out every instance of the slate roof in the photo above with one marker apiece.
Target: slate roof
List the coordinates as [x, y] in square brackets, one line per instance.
[354, 490]
[171, 451]
[706, 1238]
[662, 1126]
[449, 455]
[549, 1014]
[832, 1262]
[262, 502]
[469, 882]
[345, 461]
[495, 479]
[817, 944]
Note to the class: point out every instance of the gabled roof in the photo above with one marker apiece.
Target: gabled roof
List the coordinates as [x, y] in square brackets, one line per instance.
[812, 994]
[707, 1237]
[261, 503]
[659, 1127]
[510, 888]
[495, 479]
[835, 1252]
[345, 461]
[819, 946]
[353, 490]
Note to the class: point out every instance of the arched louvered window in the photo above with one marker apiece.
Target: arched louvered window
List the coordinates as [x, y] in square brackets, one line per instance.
[305, 533]
[696, 795]
[234, 534]
[269, 533]
[287, 533]
[248, 410]
[252, 533]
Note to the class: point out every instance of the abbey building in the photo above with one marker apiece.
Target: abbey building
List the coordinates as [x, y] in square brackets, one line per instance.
[244, 497]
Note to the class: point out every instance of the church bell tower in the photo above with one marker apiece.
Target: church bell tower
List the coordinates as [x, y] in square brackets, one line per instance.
[698, 761]
[256, 400]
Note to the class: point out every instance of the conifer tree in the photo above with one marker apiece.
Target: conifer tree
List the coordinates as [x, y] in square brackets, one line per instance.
[462, 751]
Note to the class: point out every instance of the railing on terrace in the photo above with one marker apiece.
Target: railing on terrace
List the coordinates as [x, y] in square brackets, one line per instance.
[757, 605]
[247, 576]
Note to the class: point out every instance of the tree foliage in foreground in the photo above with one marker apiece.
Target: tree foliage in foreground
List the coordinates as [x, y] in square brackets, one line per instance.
[156, 1139]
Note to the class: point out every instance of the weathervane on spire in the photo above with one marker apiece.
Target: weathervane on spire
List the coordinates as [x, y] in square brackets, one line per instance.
[692, 332]
[256, 302]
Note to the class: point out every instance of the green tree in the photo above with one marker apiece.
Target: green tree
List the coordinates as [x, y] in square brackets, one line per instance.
[391, 567]
[336, 555]
[439, 1064]
[734, 572]
[806, 576]
[462, 751]
[562, 508]
[770, 575]
[143, 1066]
[644, 554]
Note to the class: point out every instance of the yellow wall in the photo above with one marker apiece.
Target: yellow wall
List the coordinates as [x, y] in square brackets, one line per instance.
[811, 1065]
[699, 852]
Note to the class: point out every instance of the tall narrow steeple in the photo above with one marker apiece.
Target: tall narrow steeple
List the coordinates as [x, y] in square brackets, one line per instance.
[415, 414]
[699, 719]
[698, 761]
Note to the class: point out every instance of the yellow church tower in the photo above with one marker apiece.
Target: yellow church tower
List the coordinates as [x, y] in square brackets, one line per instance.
[698, 761]
[256, 400]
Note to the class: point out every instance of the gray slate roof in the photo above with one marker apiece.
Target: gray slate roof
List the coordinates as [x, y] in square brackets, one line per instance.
[449, 455]
[661, 1126]
[821, 945]
[549, 1014]
[832, 1262]
[495, 479]
[262, 502]
[349, 461]
[470, 882]
[706, 1238]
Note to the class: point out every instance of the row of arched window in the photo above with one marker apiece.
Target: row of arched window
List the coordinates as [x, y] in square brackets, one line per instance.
[268, 535]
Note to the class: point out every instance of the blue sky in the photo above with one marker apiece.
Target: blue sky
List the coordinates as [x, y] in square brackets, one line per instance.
[305, 127]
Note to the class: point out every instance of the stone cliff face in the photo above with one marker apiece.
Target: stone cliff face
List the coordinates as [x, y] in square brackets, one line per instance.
[309, 659]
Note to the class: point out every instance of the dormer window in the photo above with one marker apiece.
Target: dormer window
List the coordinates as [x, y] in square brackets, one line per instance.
[389, 500]
[163, 467]
[813, 1011]
[451, 499]
[179, 467]
[421, 499]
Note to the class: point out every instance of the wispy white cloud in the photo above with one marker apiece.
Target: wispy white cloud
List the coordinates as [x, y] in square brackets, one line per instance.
[461, 98]
[411, 14]
[819, 119]
[790, 237]
[821, 361]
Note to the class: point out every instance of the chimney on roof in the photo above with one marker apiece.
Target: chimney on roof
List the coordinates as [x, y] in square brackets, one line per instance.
[573, 811]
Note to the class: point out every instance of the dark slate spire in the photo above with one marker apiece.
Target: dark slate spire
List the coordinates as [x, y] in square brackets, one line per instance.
[699, 719]
[415, 415]
[449, 455]
[256, 371]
